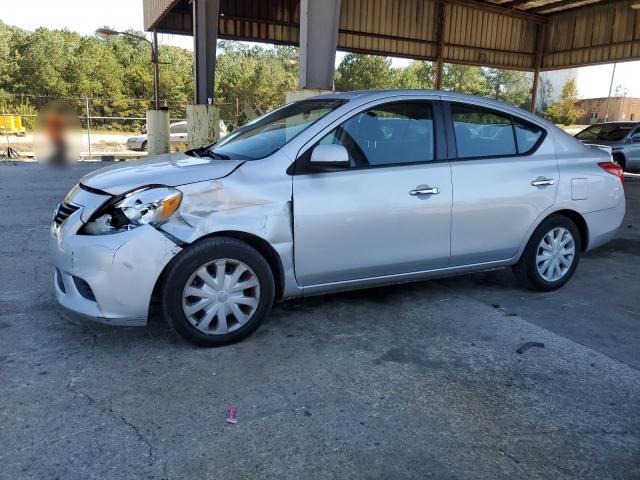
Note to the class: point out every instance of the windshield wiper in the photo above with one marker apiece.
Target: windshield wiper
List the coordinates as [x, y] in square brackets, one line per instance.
[221, 156]
[207, 152]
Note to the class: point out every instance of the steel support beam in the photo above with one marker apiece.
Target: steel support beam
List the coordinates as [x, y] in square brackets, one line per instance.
[318, 41]
[440, 13]
[205, 35]
[550, 6]
[536, 72]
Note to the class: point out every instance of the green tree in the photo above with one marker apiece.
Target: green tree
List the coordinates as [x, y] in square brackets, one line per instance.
[256, 74]
[364, 72]
[508, 86]
[417, 74]
[464, 78]
[564, 111]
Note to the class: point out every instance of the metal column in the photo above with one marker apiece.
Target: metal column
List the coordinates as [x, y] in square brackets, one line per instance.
[440, 13]
[319, 22]
[205, 35]
[536, 72]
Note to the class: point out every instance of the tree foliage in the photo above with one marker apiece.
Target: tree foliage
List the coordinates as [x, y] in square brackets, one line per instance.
[564, 111]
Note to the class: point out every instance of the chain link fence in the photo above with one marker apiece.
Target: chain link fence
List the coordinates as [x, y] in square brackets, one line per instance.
[100, 127]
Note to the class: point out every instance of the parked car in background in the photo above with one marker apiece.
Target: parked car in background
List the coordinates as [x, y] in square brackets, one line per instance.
[337, 192]
[177, 131]
[621, 139]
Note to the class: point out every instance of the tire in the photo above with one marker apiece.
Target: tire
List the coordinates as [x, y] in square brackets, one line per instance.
[144, 147]
[224, 327]
[620, 160]
[528, 269]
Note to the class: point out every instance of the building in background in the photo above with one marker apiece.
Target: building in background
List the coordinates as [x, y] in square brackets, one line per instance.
[620, 108]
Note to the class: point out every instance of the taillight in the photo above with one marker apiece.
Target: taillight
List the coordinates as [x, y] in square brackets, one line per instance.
[613, 169]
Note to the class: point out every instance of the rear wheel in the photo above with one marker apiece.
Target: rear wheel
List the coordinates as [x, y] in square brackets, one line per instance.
[144, 147]
[551, 256]
[218, 291]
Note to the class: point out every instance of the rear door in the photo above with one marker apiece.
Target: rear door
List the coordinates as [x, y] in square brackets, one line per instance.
[504, 176]
[371, 219]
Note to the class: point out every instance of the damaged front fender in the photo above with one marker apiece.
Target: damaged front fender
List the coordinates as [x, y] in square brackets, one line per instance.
[244, 202]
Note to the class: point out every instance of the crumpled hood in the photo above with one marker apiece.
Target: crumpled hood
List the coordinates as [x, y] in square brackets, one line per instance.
[169, 169]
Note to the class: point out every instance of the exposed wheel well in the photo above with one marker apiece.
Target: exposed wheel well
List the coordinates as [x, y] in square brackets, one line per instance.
[580, 222]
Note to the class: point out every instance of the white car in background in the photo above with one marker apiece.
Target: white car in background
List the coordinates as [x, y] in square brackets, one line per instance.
[177, 131]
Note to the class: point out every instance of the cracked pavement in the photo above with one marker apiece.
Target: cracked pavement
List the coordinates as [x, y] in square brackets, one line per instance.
[411, 381]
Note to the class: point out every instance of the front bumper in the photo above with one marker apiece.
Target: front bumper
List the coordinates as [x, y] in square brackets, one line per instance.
[108, 278]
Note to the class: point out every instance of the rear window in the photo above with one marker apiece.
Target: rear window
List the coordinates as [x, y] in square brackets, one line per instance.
[482, 133]
[527, 136]
[487, 133]
[610, 132]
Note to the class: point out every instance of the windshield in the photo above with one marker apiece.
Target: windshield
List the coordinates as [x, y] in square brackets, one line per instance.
[611, 132]
[264, 136]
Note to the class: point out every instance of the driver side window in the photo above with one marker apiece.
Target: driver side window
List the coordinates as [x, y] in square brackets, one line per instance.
[389, 134]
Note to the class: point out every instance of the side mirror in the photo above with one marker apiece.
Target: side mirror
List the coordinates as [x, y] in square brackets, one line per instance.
[327, 156]
[635, 138]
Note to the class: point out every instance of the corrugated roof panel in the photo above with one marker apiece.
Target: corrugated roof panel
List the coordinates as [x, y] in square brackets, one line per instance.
[473, 32]
[596, 34]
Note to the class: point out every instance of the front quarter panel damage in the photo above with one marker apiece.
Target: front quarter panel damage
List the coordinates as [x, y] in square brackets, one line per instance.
[240, 203]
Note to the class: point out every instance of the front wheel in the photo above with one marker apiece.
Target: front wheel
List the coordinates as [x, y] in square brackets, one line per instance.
[217, 291]
[551, 256]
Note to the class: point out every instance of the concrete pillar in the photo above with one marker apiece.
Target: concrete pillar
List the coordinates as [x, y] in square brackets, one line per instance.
[203, 125]
[205, 35]
[318, 41]
[158, 131]
[297, 95]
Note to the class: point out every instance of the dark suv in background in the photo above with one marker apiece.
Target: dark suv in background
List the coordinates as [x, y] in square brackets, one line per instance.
[622, 137]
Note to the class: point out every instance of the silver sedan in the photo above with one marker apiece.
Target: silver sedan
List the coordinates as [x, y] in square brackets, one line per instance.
[332, 193]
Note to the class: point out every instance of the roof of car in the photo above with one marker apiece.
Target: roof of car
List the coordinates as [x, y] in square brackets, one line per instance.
[366, 95]
[618, 123]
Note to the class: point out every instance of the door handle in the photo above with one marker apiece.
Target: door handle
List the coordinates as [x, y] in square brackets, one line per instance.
[420, 190]
[539, 182]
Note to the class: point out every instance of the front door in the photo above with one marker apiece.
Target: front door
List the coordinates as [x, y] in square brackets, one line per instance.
[500, 186]
[633, 149]
[388, 213]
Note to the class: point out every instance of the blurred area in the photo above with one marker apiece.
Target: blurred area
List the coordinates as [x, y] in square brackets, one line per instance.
[58, 137]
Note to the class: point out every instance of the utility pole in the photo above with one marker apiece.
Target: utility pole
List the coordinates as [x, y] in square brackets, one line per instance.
[156, 72]
[613, 74]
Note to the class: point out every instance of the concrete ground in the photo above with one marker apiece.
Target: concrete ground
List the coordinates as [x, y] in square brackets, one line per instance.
[414, 381]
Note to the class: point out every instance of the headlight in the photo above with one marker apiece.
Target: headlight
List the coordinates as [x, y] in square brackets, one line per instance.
[146, 206]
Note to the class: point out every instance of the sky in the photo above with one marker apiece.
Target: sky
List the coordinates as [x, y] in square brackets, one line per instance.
[84, 16]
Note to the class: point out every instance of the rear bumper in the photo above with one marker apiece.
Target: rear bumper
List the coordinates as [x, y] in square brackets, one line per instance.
[108, 278]
[604, 224]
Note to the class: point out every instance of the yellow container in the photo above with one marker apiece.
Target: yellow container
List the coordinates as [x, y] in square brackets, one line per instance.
[12, 125]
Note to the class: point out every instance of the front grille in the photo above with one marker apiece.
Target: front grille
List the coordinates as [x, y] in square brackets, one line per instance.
[62, 213]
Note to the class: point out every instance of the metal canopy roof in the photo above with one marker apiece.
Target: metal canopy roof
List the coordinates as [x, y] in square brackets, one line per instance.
[515, 34]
